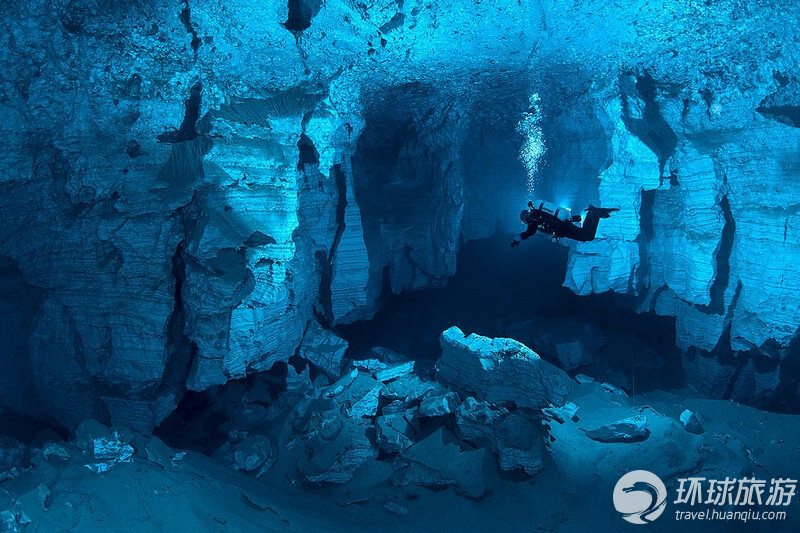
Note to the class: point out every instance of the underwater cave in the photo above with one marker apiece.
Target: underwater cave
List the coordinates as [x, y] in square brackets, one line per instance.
[396, 266]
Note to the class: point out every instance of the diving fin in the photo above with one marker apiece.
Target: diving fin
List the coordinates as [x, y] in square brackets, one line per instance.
[602, 212]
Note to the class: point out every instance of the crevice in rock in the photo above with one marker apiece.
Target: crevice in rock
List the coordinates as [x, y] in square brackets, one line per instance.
[650, 127]
[785, 398]
[188, 128]
[646, 232]
[722, 257]
[19, 304]
[708, 98]
[186, 20]
[308, 152]
[341, 206]
[324, 315]
[782, 105]
[786, 114]
[301, 13]
[741, 362]
[180, 350]
[432, 279]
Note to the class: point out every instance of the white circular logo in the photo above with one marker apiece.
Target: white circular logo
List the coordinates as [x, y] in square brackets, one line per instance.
[640, 496]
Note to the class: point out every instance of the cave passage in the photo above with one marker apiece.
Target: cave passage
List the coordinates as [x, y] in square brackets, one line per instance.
[496, 287]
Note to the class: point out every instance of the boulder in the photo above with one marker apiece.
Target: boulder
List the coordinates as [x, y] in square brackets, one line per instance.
[568, 411]
[633, 429]
[393, 432]
[334, 428]
[439, 404]
[436, 463]
[500, 371]
[410, 388]
[108, 452]
[394, 371]
[519, 444]
[691, 422]
[255, 451]
[357, 393]
[323, 348]
[336, 460]
[475, 421]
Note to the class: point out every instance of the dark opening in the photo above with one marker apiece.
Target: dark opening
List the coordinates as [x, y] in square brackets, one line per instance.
[301, 12]
[188, 129]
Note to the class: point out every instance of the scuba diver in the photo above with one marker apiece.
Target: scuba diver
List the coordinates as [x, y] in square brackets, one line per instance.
[560, 222]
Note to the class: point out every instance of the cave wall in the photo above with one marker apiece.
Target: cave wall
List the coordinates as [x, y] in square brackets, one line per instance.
[179, 187]
[184, 186]
[704, 169]
[705, 231]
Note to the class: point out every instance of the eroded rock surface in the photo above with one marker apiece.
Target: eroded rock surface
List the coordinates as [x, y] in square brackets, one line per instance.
[500, 370]
[184, 189]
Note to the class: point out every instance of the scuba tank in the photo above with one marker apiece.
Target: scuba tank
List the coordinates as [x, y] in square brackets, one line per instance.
[561, 213]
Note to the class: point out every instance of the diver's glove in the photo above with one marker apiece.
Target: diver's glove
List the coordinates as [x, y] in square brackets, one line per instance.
[516, 241]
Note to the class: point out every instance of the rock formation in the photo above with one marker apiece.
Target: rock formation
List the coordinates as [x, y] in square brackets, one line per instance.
[500, 371]
[184, 186]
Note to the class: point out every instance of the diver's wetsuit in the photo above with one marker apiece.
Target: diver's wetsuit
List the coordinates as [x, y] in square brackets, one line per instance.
[539, 221]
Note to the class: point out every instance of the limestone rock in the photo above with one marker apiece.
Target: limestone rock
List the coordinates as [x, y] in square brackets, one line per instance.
[568, 411]
[336, 460]
[411, 388]
[632, 429]
[476, 421]
[691, 422]
[394, 371]
[108, 452]
[500, 371]
[519, 444]
[439, 405]
[255, 451]
[393, 432]
[323, 348]
[434, 463]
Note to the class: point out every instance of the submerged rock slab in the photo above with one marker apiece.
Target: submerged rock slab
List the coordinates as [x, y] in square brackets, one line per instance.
[633, 429]
[691, 422]
[439, 405]
[323, 348]
[500, 371]
[437, 463]
[392, 432]
[519, 445]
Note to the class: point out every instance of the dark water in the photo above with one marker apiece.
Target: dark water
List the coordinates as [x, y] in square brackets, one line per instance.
[495, 286]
